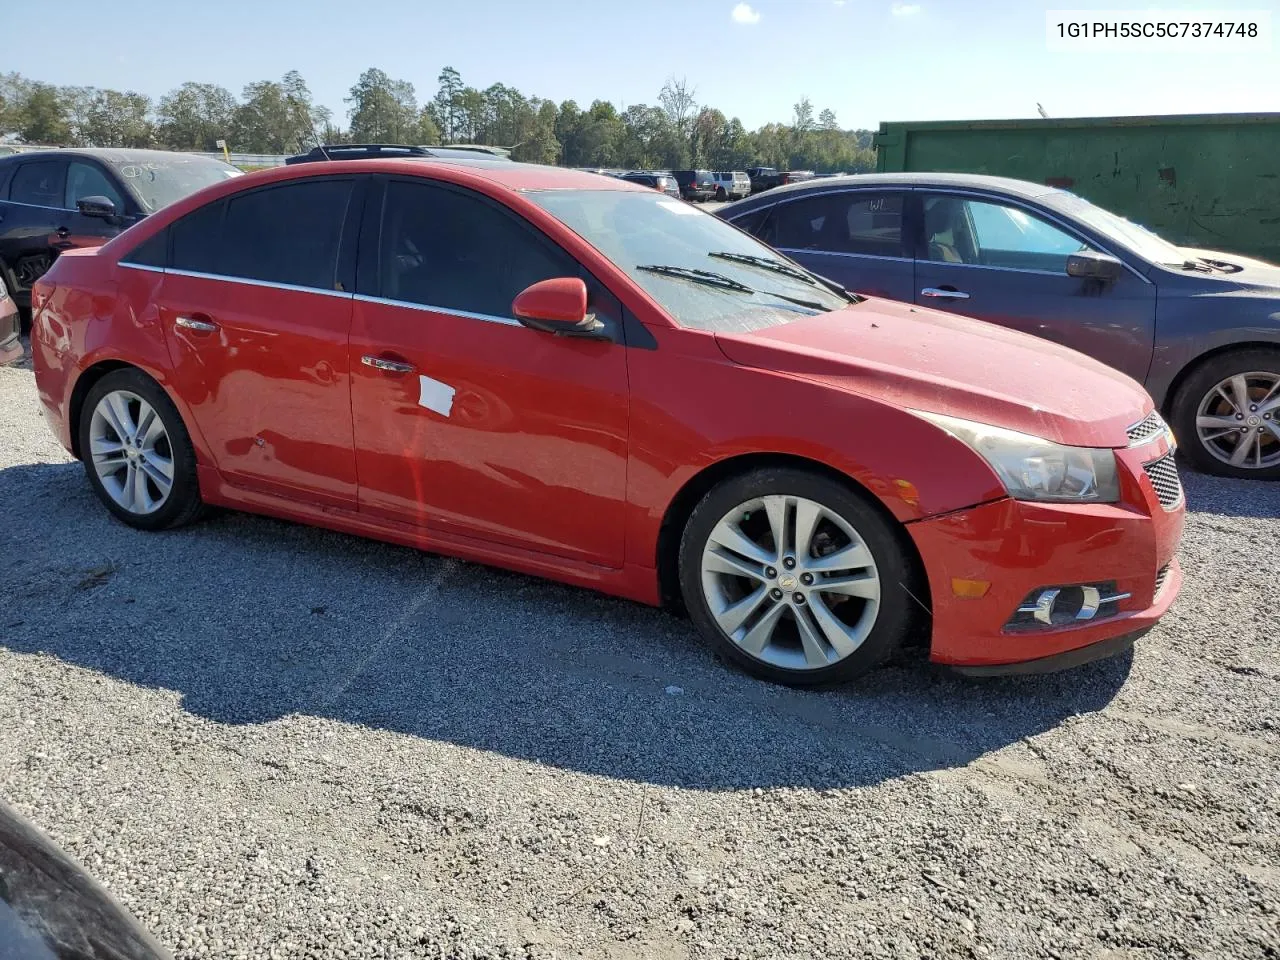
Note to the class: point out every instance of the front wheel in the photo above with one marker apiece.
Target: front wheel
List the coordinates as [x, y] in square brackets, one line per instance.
[1226, 415]
[796, 577]
[137, 453]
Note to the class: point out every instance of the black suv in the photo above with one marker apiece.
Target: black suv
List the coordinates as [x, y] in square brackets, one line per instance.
[695, 184]
[53, 200]
[375, 151]
[664, 182]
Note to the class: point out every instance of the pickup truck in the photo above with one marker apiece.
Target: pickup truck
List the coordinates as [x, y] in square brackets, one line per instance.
[766, 178]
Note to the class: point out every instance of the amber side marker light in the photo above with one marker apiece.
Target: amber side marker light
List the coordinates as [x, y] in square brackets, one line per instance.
[969, 589]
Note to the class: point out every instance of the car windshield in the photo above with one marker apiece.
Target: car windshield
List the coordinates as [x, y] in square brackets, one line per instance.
[1139, 239]
[159, 181]
[705, 273]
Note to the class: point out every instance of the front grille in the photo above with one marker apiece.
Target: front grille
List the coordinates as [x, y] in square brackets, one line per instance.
[1163, 474]
[1148, 428]
[1162, 577]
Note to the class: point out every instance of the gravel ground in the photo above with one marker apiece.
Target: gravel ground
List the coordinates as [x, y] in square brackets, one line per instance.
[273, 741]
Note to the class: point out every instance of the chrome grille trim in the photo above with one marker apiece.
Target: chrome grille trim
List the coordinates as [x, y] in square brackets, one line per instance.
[1146, 429]
[1163, 474]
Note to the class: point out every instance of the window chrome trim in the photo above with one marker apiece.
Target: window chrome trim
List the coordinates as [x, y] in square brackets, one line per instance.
[843, 253]
[426, 307]
[140, 266]
[41, 206]
[270, 284]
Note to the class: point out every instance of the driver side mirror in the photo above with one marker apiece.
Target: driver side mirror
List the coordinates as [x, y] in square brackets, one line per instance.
[1089, 264]
[96, 207]
[557, 306]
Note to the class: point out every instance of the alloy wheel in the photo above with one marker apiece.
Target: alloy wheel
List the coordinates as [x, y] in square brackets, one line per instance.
[1236, 421]
[790, 582]
[131, 452]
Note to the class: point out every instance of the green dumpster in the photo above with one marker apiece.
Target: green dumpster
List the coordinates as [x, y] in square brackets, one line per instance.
[1208, 181]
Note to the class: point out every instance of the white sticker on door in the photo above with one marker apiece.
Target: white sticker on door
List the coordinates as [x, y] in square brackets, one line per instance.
[435, 396]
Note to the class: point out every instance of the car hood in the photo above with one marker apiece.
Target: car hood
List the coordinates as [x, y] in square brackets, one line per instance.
[924, 359]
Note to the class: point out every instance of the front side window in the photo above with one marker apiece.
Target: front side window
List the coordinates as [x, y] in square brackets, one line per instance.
[39, 183]
[288, 234]
[88, 180]
[704, 273]
[444, 248]
[981, 233]
[846, 222]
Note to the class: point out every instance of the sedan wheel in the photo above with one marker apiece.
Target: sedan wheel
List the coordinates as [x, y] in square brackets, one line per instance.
[137, 453]
[796, 577]
[131, 452]
[1236, 420]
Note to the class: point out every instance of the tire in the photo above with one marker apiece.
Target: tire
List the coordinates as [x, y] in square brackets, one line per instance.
[871, 619]
[166, 449]
[1209, 450]
[721, 195]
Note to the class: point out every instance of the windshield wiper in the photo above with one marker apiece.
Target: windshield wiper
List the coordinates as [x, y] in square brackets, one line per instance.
[725, 283]
[1197, 265]
[764, 263]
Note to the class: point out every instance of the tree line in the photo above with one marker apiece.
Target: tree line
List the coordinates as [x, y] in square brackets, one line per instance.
[280, 117]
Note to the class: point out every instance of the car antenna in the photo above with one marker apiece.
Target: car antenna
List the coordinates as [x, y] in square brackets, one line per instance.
[319, 146]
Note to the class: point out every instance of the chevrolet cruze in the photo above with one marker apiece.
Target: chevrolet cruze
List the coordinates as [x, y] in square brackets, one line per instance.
[582, 379]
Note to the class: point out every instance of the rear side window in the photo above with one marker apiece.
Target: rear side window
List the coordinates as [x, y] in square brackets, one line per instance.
[40, 183]
[850, 222]
[443, 248]
[151, 252]
[288, 234]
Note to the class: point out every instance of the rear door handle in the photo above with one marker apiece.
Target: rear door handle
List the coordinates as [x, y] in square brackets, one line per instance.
[198, 324]
[385, 365]
[944, 294]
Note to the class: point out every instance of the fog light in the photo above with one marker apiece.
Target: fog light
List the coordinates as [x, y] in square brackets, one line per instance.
[1066, 606]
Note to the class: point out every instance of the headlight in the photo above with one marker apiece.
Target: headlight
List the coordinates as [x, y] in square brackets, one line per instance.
[1032, 468]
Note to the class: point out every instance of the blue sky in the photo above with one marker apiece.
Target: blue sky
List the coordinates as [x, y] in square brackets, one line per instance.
[868, 60]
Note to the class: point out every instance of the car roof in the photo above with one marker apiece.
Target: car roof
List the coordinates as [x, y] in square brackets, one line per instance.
[1021, 188]
[108, 154]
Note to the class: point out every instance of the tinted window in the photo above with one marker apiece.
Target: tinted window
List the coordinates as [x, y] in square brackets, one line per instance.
[196, 239]
[994, 235]
[840, 223]
[287, 234]
[39, 183]
[448, 249]
[151, 252]
[88, 180]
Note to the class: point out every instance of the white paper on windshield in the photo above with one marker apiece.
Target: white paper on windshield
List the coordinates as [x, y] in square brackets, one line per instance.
[677, 207]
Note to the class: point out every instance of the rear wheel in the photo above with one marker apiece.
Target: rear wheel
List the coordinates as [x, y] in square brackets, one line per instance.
[796, 577]
[137, 453]
[1226, 415]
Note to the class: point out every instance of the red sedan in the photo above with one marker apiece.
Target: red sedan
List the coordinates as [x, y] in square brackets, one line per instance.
[582, 379]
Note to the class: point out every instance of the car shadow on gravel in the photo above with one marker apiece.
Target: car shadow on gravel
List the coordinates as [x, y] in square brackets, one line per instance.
[1232, 498]
[249, 620]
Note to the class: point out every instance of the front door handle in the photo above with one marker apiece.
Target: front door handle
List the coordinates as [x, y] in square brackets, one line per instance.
[944, 294]
[385, 365]
[63, 232]
[197, 324]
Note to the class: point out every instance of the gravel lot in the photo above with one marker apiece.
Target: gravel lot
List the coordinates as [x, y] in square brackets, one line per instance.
[273, 741]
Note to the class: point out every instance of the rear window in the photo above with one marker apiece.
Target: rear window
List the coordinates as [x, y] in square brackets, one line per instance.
[40, 183]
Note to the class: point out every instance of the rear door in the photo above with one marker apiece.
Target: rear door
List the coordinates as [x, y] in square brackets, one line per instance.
[466, 422]
[256, 304]
[858, 238]
[1004, 262]
[32, 221]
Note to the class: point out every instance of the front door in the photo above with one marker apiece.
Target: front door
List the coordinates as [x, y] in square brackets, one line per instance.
[1005, 264]
[466, 422]
[257, 314]
[854, 237]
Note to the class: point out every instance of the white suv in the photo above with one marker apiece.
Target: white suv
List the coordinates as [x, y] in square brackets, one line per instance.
[731, 186]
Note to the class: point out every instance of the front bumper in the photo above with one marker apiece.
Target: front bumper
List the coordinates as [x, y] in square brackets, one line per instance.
[984, 561]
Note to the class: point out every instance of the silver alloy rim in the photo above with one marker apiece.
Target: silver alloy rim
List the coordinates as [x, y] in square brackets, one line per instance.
[790, 582]
[1237, 420]
[131, 453]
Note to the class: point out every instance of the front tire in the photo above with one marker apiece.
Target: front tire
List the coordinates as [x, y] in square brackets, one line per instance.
[796, 577]
[1226, 415]
[137, 452]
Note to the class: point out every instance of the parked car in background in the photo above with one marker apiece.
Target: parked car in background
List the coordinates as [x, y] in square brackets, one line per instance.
[766, 178]
[695, 184]
[731, 185]
[663, 182]
[572, 376]
[10, 327]
[1200, 329]
[56, 200]
[368, 151]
